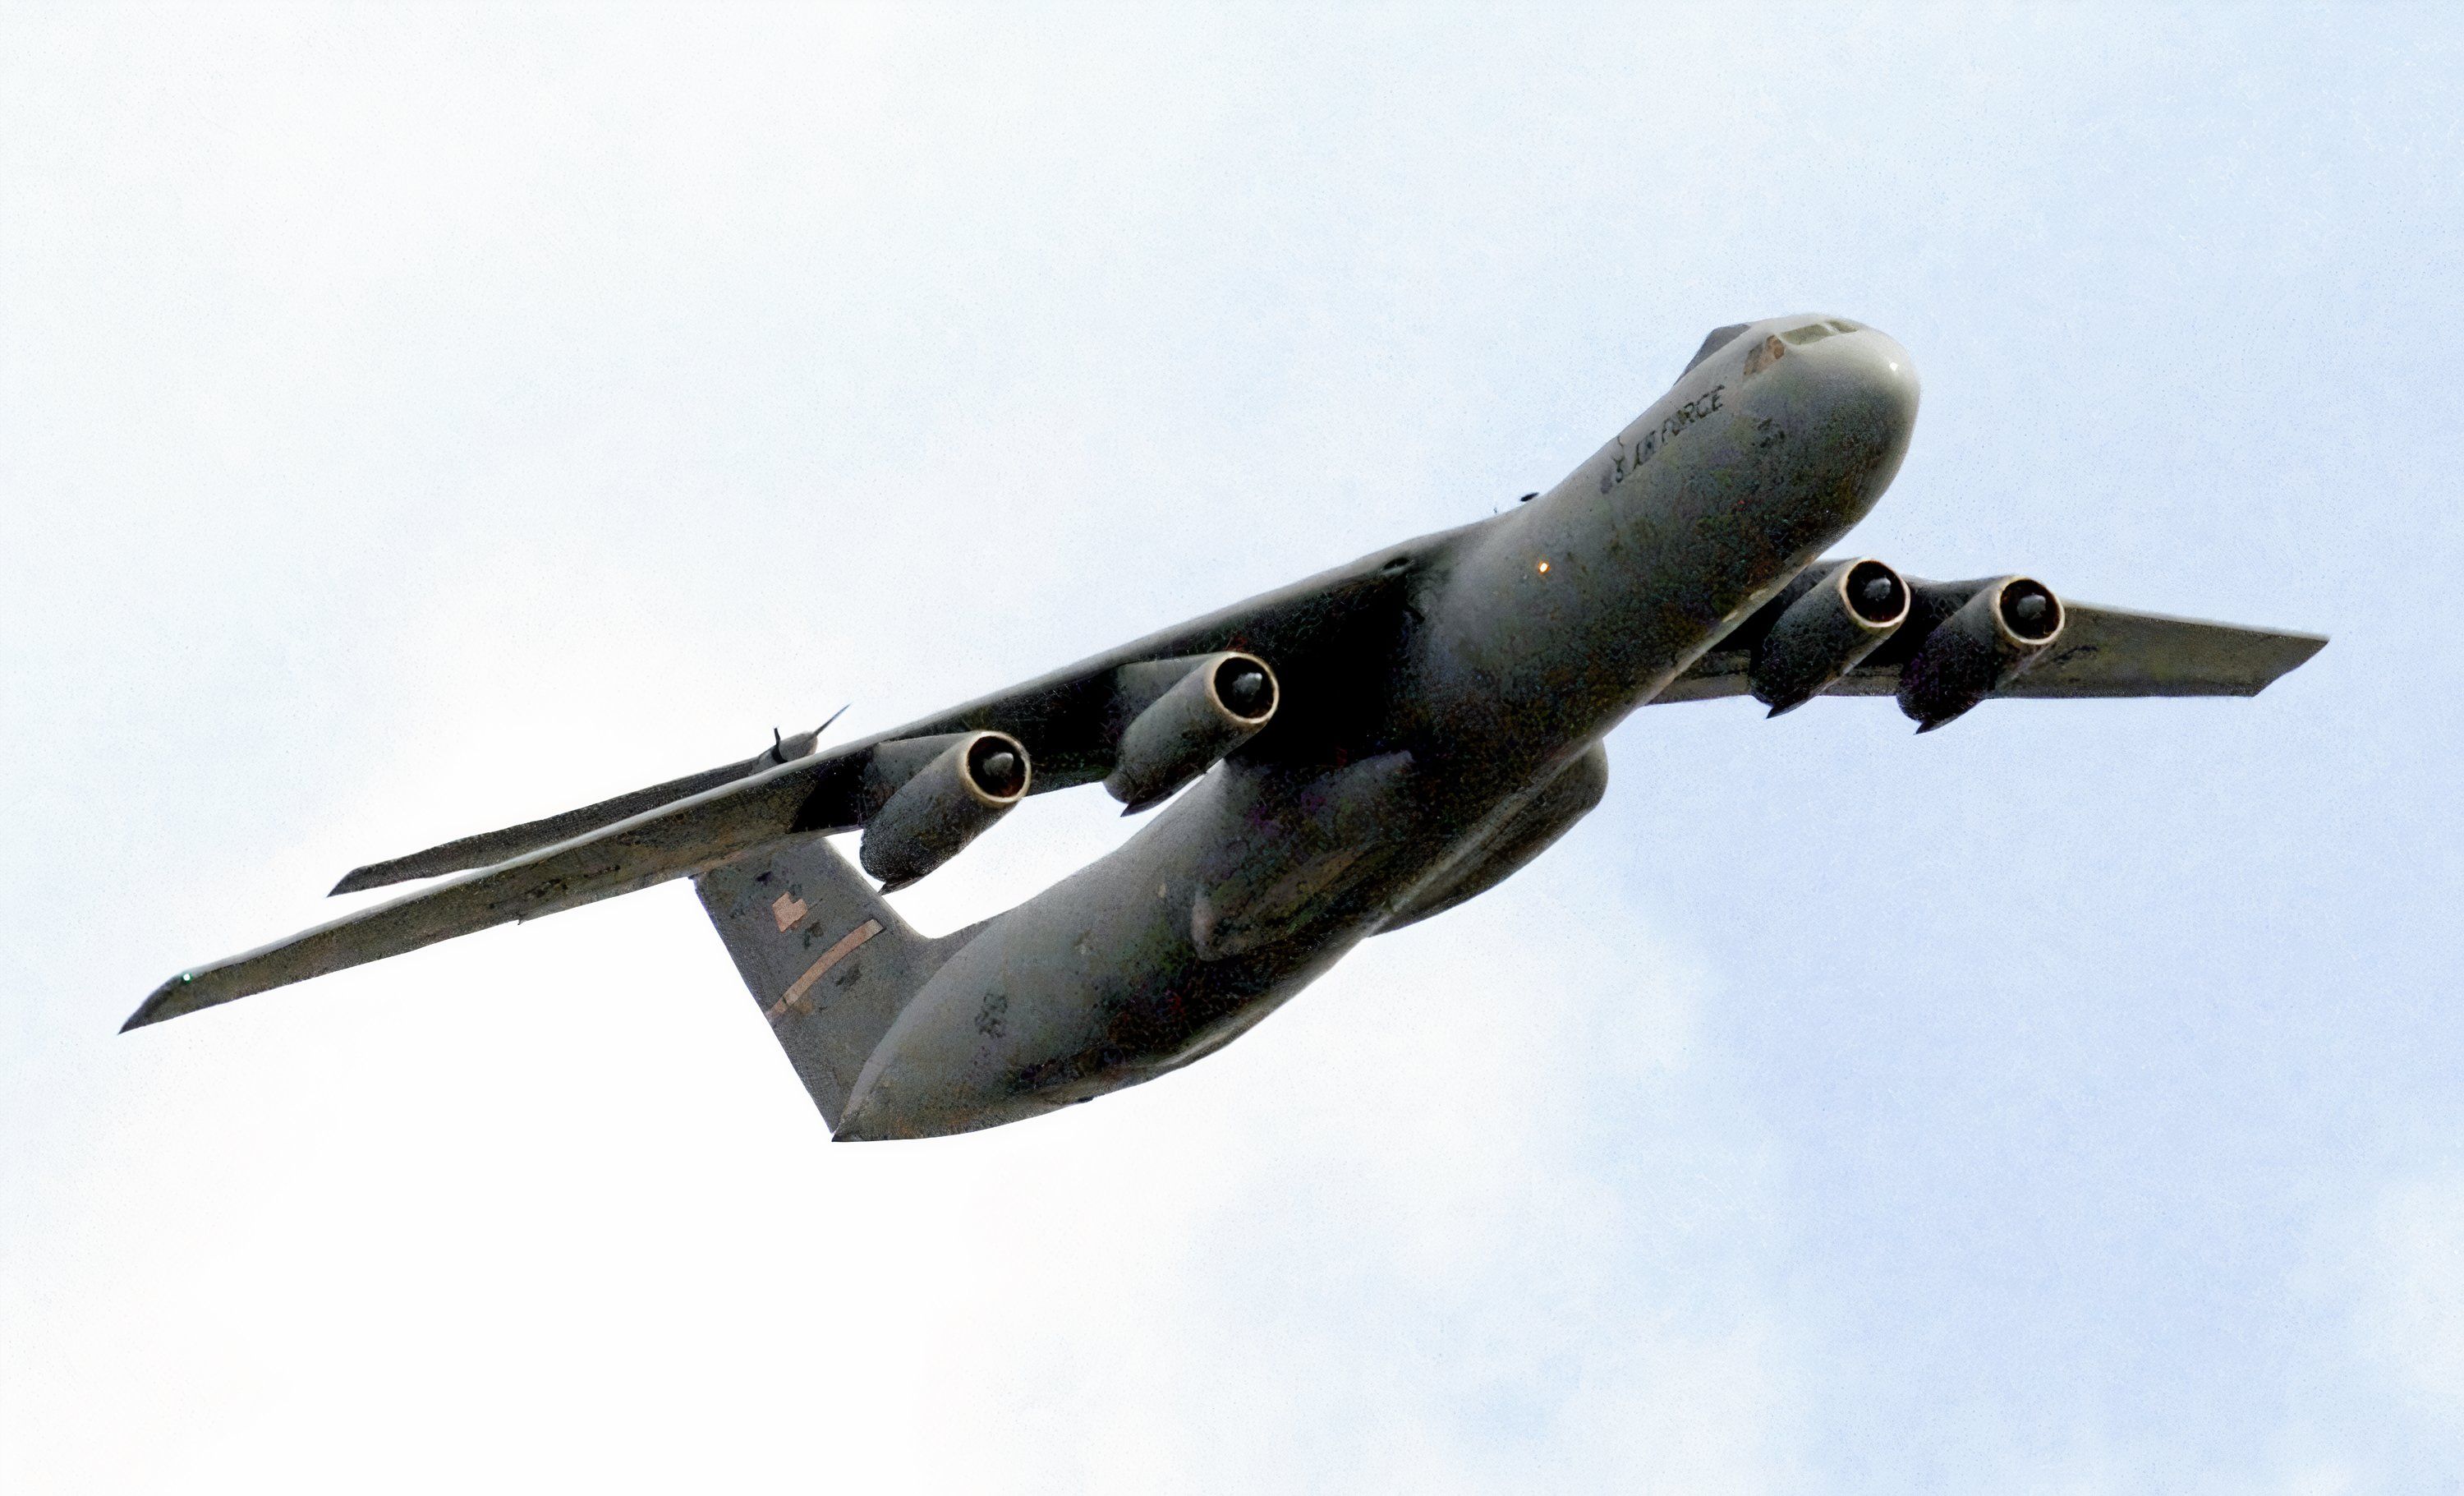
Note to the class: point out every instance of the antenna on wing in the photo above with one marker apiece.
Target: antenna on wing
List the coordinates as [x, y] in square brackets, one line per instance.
[807, 743]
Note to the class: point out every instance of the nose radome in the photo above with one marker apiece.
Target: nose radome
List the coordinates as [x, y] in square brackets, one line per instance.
[1871, 385]
[1891, 374]
[1895, 379]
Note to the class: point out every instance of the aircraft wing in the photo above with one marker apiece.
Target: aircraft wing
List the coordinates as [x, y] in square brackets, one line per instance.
[1311, 633]
[1318, 636]
[1314, 634]
[2102, 651]
[670, 841]
[490, 848]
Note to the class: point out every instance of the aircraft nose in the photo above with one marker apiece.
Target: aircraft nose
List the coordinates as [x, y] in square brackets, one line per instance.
[1873, 387]
[1854, 391]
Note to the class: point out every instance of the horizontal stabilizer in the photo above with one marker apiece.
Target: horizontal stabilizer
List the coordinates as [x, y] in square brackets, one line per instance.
[490, 848]
[818, 793]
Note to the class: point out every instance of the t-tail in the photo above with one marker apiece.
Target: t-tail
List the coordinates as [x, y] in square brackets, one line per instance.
[827, 958]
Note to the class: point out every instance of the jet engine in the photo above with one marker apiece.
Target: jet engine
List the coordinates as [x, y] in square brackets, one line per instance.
[1826, 632]
[1993, 637]
[948, 791]
[1214, 706]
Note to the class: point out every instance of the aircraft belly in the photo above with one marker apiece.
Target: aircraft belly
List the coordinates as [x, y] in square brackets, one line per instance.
[1107, 979]
[1523, 827]
[1294, 843]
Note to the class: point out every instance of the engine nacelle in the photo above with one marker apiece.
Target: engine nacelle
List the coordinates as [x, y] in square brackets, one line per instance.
[1978, 649]
[1215, 705]
[949, 790]
[1826, 632]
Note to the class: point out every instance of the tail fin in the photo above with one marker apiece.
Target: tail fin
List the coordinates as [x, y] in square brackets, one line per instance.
[829, 960]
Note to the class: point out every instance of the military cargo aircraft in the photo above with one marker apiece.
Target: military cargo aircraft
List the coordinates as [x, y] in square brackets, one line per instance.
[1346, 756]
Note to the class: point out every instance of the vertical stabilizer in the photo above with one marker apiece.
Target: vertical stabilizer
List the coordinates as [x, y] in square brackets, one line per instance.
[827, 958]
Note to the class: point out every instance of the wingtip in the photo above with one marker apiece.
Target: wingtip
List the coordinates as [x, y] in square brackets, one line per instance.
[151, 1010]
[2305, 649]
[353, 881]
[197, 987]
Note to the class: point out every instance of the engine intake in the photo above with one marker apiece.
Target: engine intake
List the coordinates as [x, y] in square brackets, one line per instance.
[948, 790]
[1975, 651]
[1826, 632]
[1213, 705]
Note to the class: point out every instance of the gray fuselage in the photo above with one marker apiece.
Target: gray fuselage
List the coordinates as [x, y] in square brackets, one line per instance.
[1524, 639]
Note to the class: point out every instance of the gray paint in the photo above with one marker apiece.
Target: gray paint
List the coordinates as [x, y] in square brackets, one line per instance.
[490, 848]
[1186, 730]
[827, 960]
[1439, 712]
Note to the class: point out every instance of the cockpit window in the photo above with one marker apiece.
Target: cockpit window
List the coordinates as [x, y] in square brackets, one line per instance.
[1815, 332]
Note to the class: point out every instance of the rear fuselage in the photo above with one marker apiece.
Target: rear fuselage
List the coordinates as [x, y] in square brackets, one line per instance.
[1520, 643]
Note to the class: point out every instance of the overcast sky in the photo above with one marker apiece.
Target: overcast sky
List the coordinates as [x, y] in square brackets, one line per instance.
[414, 422]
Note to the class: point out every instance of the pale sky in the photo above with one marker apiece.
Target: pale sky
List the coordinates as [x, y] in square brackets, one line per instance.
[416, 420]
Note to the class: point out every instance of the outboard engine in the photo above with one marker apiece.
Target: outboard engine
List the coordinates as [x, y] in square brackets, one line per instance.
[1826, 632]
[1197, 710]
[1975, 651]
[948, 790]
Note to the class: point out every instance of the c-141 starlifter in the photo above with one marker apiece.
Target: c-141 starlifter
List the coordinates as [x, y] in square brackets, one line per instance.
[1343, 756]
